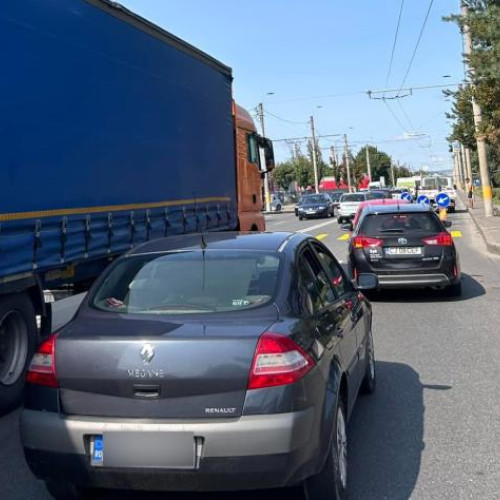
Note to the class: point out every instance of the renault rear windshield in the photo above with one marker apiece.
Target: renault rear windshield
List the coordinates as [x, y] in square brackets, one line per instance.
[189, 282]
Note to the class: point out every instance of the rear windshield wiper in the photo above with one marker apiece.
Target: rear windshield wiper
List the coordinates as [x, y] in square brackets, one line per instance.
[392, 230]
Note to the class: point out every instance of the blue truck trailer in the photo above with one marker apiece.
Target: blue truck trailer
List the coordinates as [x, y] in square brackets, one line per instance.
[112, 132]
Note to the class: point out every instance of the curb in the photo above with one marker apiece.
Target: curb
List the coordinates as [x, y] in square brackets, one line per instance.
[491, 246]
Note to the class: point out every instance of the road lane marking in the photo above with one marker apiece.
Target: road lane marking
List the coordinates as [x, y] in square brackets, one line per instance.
[317, 226]
[456, 234]
[281, 222]
[344, 237]
[321, 236]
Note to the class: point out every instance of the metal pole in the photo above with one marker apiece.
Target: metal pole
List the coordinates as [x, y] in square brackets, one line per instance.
[392, 173]
[347, 162]
[267, 196]
[314, 153]
[478, 118]
[368, 166]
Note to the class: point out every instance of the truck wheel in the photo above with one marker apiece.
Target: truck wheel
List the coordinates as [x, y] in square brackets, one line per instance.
[18, 337]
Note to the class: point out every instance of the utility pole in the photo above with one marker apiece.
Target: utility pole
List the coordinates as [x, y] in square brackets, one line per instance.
[392, 173]
[347, 162]
[478, 118]
[368, 165]
[266, 174]
[461, 163]
[468, 163]
[314, 153]
[456, 177]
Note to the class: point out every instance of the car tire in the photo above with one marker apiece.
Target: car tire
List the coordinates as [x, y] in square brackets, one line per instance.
[454, 290]
[300, 217]
[370, 380]
[62, 490]
[18, 334]
[339, 220]
[331, 482]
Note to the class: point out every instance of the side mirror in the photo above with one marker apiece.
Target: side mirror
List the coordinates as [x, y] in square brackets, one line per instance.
[447, 223]
[347, 227]
[267, 147]
[367, 281]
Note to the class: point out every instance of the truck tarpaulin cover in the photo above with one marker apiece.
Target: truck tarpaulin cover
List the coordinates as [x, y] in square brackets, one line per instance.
[112, 131]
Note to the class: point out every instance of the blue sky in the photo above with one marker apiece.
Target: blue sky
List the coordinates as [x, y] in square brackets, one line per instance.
[309, 52]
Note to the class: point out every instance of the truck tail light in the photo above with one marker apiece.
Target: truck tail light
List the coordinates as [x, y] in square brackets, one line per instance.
[366, 242]
[42, 370]
[443, 239]
[278, 360]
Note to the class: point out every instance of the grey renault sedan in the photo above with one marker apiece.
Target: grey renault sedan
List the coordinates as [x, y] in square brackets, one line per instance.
[216, 362]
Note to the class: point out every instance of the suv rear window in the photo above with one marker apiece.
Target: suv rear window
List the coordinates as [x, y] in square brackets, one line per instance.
[189, 282]
[422, 222]
[352, 197]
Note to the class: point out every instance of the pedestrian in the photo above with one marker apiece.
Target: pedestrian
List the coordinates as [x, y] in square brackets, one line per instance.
[469, 188]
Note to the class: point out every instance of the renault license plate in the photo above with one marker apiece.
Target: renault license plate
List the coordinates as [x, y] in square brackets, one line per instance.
[404, 251]
[97, 451]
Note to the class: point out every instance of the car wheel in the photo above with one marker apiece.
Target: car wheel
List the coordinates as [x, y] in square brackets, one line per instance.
[61, 490]
[370, 381]
[331, 482]
[300, 217]
[339, 220]
[454, 290]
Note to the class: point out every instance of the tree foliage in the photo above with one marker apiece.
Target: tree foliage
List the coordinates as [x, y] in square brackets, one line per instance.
[484, 22]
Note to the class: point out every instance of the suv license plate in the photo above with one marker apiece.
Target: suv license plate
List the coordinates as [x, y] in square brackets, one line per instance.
[404, 251]
[97, 451]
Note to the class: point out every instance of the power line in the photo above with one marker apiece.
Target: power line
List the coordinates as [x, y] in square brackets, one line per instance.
[395, 42]
[417, 45]
[394, 115]
[405, 114]
[284, 119]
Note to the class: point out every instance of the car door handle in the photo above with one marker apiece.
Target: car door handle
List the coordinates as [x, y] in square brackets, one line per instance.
[339, 332]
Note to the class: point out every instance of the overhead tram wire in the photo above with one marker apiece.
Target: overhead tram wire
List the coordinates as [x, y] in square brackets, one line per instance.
[395, 43]
[422, 29]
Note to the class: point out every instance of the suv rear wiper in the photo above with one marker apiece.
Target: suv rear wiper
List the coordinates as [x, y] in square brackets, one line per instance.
[392, 230]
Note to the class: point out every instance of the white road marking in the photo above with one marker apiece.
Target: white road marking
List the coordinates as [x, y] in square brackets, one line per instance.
[317, 226]
[281, 222]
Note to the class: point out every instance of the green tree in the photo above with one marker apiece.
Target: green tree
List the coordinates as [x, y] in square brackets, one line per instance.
[380, 164]
[284, 174]
[483, 21]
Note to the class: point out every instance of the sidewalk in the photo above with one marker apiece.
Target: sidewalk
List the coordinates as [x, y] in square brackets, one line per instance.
[488, 227]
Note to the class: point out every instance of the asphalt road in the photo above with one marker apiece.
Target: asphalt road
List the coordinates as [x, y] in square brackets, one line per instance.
[432, 429]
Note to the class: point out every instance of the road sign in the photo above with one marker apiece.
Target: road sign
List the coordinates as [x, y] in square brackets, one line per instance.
[423, 199]
[443, 200]
[406, 196]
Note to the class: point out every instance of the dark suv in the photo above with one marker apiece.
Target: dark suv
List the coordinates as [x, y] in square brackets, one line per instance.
[406, 246]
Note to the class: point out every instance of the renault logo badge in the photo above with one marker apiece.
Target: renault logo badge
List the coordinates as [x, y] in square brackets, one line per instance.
[147, 353]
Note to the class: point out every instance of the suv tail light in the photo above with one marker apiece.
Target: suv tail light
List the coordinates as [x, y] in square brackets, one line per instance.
[365, 242]
[42, 369]
[278, 360]
[443, 239]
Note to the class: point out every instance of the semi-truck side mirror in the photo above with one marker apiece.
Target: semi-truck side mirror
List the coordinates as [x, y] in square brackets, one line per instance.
[267, 148]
